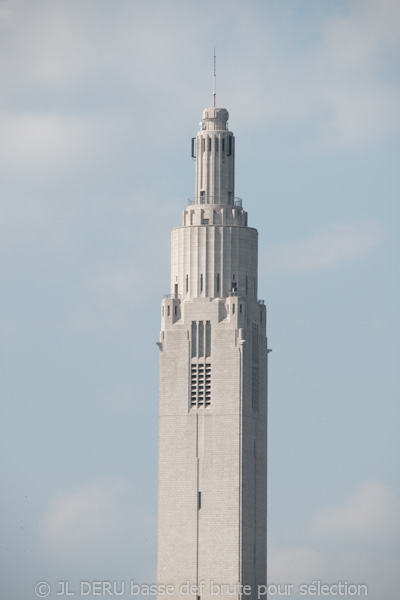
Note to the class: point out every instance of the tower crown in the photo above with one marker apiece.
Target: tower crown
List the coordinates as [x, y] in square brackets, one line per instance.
[214, 252]
[215, 119]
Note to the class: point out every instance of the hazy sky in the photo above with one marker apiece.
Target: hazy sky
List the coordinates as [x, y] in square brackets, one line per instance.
[98, 102]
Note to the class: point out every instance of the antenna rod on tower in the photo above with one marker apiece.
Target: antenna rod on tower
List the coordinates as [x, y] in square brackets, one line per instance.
[215, 79]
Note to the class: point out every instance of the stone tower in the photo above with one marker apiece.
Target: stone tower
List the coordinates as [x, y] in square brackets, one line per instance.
[212, 495]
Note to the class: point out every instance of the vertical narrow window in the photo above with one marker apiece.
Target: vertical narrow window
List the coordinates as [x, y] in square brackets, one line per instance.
[203, 144]
[255, 388]
[176, 310]
[233, 308]
[201, 338]
[169, 310]
[255, 343]
[199, 506]
[209, 144]
[202, 197]
[201, 282]
[229, 145]
[187, 283]
[194, 338]
[229, 197]
[223, 144]
[240, 308]
[208, 338]
[218, 283]
[193, 147]
[216, 144]
[255, 368]
[176, 290]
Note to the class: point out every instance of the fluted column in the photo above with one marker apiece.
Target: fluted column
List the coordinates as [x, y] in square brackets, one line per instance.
[215, 159]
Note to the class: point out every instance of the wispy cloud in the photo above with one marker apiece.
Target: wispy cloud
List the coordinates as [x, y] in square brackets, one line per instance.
[82, 527]
[7, 9]
[353, 540]
[372, 512]
[326, 248]
[343, 84]
[76, 521]
[357, 70]
[31, 142]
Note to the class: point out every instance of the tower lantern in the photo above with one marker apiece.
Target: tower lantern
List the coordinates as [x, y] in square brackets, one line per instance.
[215, 159]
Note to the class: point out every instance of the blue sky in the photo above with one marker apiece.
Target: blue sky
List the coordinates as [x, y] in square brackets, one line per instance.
[99, 101]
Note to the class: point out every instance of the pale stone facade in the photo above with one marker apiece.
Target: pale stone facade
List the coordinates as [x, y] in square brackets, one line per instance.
[213, 390]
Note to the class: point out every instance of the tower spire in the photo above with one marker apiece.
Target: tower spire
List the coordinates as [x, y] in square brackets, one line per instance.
[215, 79]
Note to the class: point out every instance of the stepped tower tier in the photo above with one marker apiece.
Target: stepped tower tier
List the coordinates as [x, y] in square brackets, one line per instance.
[215, 159]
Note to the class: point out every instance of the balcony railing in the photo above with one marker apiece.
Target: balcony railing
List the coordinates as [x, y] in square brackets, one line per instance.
[230, 294]
[237, 202]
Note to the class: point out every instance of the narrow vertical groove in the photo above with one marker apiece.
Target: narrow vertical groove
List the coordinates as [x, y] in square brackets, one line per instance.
[210, 178]
[206, 262]
[233, 168]
[222, 270]
[193, 266]
[267, 455]
[240, 462]
[197, 264]
[255, 507]
[197, 495]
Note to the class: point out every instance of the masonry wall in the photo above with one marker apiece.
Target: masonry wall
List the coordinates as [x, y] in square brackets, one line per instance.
[219, 450]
